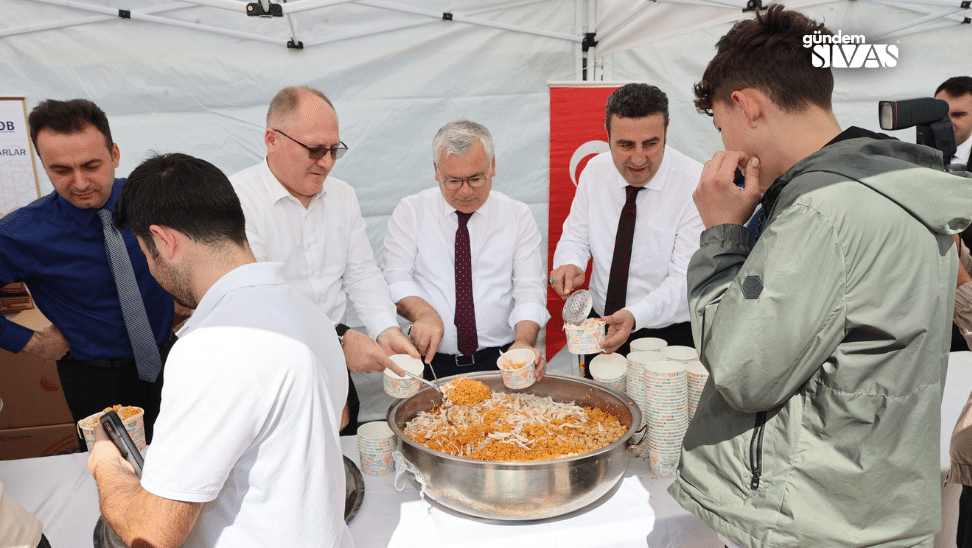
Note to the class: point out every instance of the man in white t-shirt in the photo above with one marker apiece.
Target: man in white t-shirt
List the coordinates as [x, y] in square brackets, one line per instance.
[246, 451]
[646, 297]
[299, 215]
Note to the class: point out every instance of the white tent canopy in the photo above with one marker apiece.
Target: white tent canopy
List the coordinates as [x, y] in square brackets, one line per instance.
[196, 76]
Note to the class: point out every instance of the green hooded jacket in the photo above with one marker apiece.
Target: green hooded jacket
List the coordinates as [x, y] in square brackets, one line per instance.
[827, 346]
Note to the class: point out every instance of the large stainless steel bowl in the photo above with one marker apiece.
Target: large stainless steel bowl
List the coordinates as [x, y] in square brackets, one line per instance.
[521, 490]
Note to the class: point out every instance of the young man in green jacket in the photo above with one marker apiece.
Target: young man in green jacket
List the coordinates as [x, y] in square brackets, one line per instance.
[827, 341]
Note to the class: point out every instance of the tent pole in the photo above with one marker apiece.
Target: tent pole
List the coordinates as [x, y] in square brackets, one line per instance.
[304, 5]
[919, 21]
[86, 20]
[470, 20]
[579, 29]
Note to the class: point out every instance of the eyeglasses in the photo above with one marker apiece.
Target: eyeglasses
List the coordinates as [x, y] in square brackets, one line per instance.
[454, 183]
[318, 152]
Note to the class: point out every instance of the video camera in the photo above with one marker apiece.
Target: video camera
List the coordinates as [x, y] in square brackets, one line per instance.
[933, 127]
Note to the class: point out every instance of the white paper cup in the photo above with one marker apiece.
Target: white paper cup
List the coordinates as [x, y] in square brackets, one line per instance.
[376, 443]
[610, 369]
[403, 387]
[135, 425]
[584, 340]
[522, 375]
[648, 344]
[684, 354]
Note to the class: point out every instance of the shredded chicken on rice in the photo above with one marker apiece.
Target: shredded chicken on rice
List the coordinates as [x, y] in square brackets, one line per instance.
[513, 428]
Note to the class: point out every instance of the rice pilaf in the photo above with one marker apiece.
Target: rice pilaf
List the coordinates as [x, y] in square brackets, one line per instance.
[514, 428]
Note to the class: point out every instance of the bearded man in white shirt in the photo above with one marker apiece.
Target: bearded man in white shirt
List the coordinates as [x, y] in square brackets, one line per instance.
[463, 261]
[665, 233]
[299, 215]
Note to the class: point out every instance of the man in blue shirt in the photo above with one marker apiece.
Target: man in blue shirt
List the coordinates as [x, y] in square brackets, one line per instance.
[56, 245]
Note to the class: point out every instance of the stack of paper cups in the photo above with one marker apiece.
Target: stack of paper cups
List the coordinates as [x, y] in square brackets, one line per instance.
[667, 409]
[650, 344]
[684, 354]
[610, 370]
[634, 381]
[696, 375]
[376, 443]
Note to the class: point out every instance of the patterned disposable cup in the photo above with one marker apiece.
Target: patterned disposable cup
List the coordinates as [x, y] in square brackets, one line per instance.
[684, 354]
[135, 424]
[517, 369]
[376, 443]
[610, 369]
[403, 387]
[584, 339]
[648, 344]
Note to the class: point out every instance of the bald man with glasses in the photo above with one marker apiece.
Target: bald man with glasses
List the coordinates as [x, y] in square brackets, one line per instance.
[299, 215]
[463, 261]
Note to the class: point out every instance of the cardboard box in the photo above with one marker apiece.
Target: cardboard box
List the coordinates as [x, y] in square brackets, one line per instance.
[38, 441]
[29, 385]
[14, 298]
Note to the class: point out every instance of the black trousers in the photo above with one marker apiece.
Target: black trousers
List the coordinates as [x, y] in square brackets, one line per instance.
[677, 334]
[447, 365]
[91, 386]
[354, 406]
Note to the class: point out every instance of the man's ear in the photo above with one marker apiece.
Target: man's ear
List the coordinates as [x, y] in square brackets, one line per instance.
[269, 138]
[751, 102]
[168, 242]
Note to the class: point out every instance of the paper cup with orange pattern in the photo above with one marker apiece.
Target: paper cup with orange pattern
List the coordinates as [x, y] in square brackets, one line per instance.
[132, 417]
[517, 369]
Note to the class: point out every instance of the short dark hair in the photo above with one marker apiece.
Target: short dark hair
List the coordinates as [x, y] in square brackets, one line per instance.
[956, 86]
[182, 193]
[769, 54]
[635, 101]
[67, 117]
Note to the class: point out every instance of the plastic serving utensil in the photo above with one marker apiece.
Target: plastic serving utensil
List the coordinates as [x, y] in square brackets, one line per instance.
[577, 307]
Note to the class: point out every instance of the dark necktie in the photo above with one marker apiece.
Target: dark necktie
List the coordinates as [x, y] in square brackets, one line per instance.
[465, 319]
[617, 289]
[148, 362]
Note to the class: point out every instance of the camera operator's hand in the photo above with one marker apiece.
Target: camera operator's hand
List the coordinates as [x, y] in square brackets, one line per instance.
[718, 198]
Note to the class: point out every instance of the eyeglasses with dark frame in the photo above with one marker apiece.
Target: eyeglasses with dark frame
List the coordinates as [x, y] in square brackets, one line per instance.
[318, 152]
[455, 183]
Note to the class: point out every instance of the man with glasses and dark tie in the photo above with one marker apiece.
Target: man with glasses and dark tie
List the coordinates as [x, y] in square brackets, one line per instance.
[463, 261]
[299, 215]
[111, 321]
[633, 214]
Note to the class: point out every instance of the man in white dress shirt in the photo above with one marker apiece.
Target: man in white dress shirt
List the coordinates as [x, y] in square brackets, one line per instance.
[665, 234]
[462, 330]
[246, 451]
[299, 215]
[957, 92]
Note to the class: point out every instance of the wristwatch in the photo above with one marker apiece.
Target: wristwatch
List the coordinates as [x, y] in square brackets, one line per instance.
[341, 329]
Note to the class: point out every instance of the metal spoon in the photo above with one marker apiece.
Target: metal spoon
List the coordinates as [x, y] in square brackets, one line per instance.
[430, 383]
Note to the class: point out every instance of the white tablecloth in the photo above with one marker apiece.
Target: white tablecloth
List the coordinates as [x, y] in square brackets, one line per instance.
[61, 493]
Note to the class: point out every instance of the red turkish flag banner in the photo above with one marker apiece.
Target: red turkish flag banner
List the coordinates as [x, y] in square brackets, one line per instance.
[576, 135]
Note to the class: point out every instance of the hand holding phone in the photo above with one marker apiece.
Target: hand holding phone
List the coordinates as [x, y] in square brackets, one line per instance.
[117, 433]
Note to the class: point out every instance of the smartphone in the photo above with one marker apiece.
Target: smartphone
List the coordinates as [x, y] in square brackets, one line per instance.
[739, 178]
[119, 436]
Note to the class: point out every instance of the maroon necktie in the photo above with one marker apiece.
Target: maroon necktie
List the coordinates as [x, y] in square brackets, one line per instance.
[465, 310]
[617, 289]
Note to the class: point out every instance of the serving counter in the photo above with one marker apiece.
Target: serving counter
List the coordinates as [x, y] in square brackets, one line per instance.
[59, 490]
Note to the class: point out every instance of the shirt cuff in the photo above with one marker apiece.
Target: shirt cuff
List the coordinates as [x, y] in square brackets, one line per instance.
[400, 290]
[14, 337]
[529, 311]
